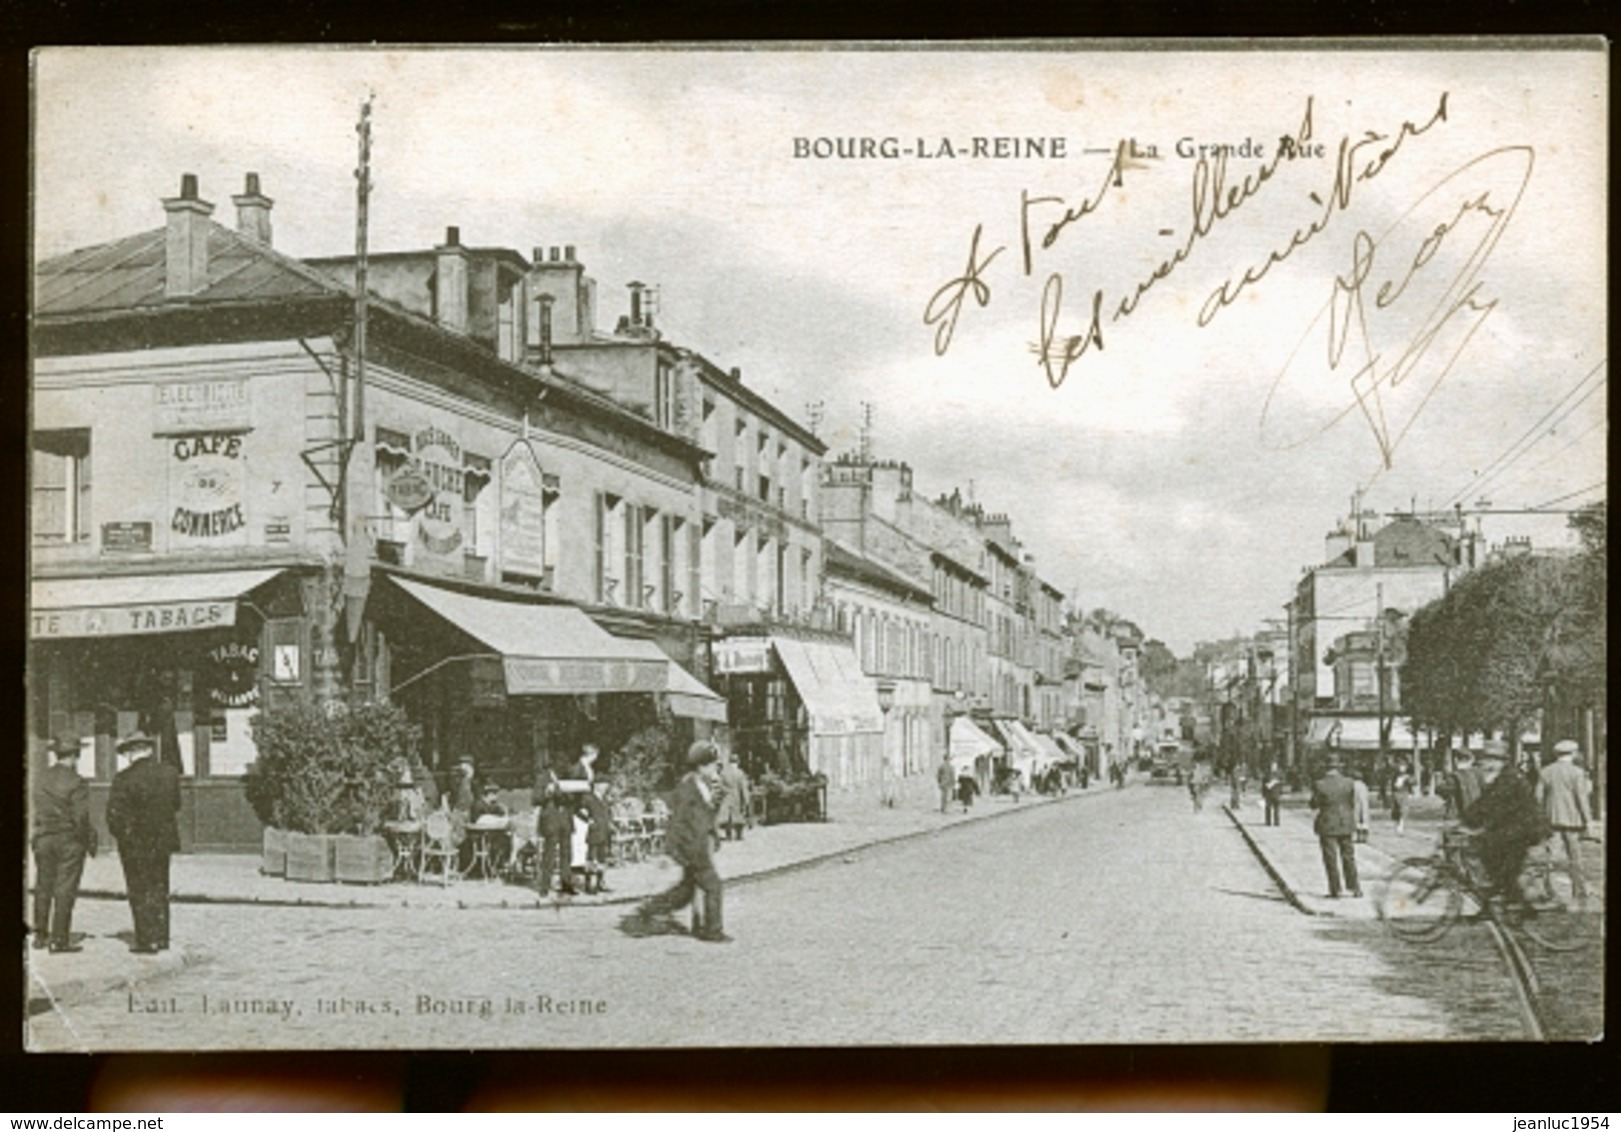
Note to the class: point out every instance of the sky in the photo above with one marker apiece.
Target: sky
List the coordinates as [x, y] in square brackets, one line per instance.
[1408, 303]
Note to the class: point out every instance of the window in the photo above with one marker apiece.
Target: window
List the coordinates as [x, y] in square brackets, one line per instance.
[669, 593]
[61, 486]
[605, 582]
[664, 395]
[634, 597]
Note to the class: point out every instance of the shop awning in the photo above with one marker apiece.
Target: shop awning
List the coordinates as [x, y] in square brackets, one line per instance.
[1071, 747]
[125, 605]
[1023, 750]
[1358, 733]
[1055, 753]
[686, 696]
[546, 650]
[839, 697]
[968, 742]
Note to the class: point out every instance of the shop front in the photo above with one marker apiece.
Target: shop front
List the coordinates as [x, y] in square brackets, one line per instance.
[519, 686]
[188, 657]
[801, 707]
[974, 751]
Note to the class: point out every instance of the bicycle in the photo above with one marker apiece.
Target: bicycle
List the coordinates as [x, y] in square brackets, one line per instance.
[1425, 896]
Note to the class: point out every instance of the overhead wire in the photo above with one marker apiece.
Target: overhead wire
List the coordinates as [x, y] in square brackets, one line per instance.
[1531, 436]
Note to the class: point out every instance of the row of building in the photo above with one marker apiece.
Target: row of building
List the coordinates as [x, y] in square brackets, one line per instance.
[1327, 675]
[460, 488]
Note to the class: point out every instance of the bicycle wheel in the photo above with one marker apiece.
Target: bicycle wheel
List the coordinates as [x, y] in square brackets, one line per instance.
[1552, 916]
[1420, 902]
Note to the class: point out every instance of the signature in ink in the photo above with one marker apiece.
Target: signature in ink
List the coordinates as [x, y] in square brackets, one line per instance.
[945, 305]
[1406, 306]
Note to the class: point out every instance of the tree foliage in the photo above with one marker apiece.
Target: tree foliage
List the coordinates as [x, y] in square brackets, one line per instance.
[329, 770]
[1483, 657]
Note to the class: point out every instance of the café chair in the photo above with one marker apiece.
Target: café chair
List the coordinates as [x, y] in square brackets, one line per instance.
[440, 845]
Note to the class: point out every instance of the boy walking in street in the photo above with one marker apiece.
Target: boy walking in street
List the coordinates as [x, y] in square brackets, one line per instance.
[692, 841]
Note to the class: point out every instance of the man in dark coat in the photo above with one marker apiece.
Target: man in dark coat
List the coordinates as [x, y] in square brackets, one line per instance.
[1508, 820]
[141, 813]
[62, 835]
[691, 840]
[1334, 799]
[555, 825]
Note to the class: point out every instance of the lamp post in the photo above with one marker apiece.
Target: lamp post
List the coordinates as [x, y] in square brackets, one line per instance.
[886, 700]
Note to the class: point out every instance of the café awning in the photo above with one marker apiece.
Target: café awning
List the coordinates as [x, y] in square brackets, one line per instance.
[838, 696]
[125, 605]
[686, 696]
[1357, 733]
[545, 650]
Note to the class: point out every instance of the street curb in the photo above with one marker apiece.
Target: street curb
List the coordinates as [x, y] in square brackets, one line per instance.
[1284, 886]
[613, 901]
[72, 992]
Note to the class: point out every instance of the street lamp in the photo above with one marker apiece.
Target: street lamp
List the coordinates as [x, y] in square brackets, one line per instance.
[886, 700]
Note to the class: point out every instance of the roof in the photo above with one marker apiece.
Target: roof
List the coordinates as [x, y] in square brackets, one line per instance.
[129, 274]
[839, 558]
[126, 277]
[1405, 541]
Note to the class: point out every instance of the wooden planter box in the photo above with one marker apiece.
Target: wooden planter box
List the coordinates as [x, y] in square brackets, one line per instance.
[362, 860]
[309, 857]
[274, 861]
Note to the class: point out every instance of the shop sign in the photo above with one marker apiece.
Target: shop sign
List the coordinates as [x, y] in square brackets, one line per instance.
[408, 490]
[124, 620]
[438, 459]
[206, 481]
[201, 406]
[235, 674]
[736, 656]
[523, 512]
[126, 538]
[278, 528]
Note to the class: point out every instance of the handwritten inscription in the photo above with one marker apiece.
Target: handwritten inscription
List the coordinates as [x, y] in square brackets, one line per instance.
[1406, 305]
[1406, 299]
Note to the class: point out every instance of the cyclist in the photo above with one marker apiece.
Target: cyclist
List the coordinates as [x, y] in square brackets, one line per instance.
[1505, 821]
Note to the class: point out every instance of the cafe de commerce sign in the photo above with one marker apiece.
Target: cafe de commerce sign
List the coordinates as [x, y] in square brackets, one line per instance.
[206, 489]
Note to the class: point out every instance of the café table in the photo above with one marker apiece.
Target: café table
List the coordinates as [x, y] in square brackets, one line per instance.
[405, 839]
[489, 836]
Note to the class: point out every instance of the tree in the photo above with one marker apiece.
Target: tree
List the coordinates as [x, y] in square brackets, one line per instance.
[1483, 657]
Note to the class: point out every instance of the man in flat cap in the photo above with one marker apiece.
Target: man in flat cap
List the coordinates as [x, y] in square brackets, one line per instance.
[1507, 819]
[1563, 788]
[691, 840]
[62, 835]
[1333, 796]
[141, 813]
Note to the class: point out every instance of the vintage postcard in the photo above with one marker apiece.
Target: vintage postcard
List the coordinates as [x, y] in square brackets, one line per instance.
[838, 544]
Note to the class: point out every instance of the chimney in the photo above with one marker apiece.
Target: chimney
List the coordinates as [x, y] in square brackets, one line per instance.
[253, 212]
[1336, 544]
[636, 290]
[185, 247]
[545, 358]
[450, 282]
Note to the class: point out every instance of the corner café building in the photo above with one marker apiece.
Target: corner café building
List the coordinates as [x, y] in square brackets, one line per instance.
[185, 451]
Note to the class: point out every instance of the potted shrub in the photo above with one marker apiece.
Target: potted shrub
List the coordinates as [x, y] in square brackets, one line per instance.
[326, 778]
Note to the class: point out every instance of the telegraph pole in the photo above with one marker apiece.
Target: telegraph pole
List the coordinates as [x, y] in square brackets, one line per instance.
[359, 461]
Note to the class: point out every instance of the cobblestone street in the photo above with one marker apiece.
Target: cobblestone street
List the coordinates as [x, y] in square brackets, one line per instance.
[1113, 916]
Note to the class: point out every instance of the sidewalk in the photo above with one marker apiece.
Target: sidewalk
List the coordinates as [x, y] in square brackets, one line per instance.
[106, 964]
[1290, 853]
